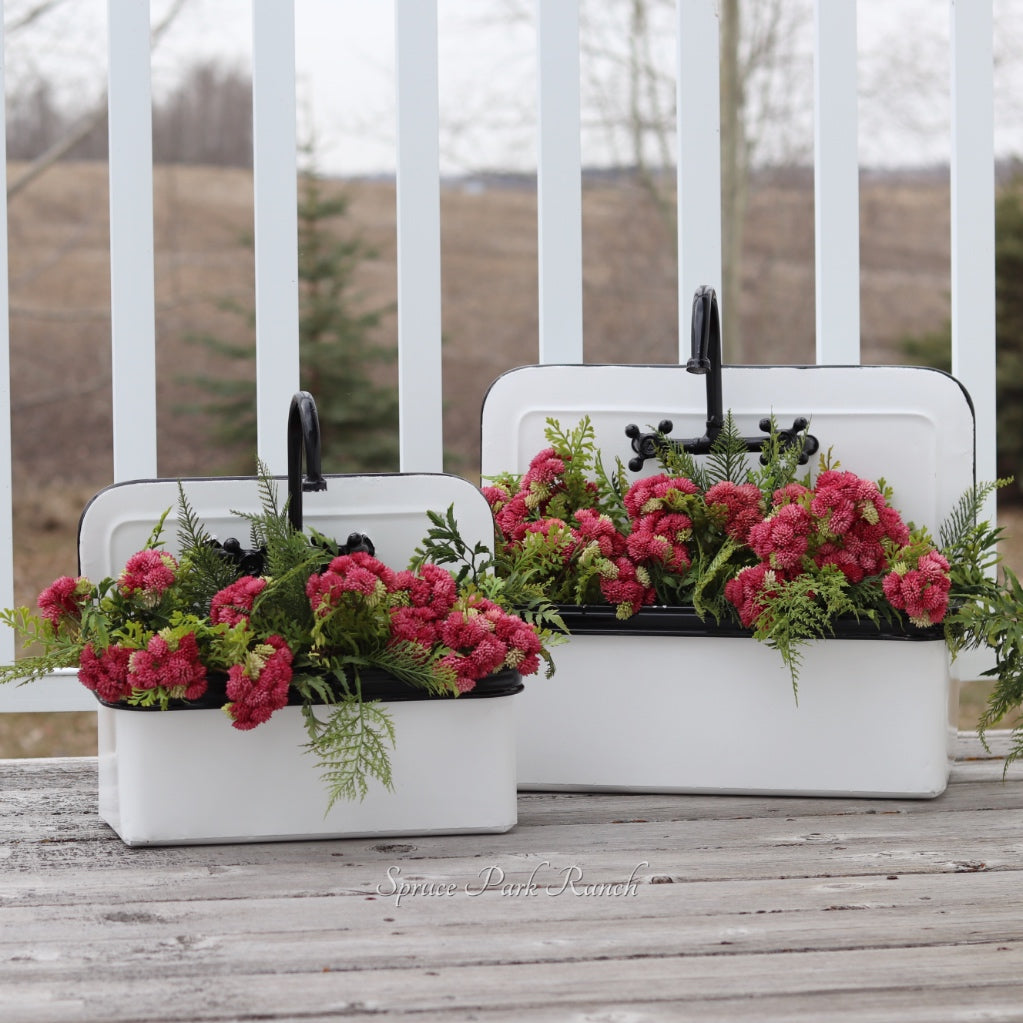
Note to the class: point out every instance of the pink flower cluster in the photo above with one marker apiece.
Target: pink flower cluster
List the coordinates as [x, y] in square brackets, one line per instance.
[425, 611]
[233, 604]
[64, 598]
[359, 574]
[921, 592]
[165, 662]
[845, 522]
[148, 575]
[259, 686]
[541, 481]
[660, 531]
[741, 504]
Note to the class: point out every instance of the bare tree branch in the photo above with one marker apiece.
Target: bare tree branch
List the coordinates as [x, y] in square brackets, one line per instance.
[92, 120]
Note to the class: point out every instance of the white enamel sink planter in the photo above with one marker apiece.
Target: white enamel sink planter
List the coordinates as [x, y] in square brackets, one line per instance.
[716, 713]
[187, 776]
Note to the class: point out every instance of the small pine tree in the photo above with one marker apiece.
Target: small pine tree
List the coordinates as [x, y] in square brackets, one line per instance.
[340, 363]
[934, 347]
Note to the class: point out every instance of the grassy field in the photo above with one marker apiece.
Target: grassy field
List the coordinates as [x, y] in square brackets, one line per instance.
[60, 321]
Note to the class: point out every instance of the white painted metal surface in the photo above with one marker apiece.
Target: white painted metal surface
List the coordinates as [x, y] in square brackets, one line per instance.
[163, 777]
[836, 184]
[973, 221]
[6, 489]
[699, 160]
[873, 718]
[420, 391]
[132, 286]
[559, 183]
[434, 792]
[276, 223]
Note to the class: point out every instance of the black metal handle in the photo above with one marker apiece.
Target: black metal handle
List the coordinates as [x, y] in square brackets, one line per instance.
[706, 361]
[303, 435]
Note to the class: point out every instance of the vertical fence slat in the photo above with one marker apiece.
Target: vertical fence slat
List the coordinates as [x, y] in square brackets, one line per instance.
[420, 392]
[836, 184]
[132, 289]
[6, 451]
[973, 221]
[275, 197]
[559, 183]
[699, 159]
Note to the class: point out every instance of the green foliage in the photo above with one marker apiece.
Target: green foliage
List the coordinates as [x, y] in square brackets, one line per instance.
[341, 362]
[728, 458]
[443, 545]
[794, 615]
[351, 746]
[780, 465]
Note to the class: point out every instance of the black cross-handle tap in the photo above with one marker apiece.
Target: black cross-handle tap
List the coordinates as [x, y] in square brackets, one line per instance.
[706, 361]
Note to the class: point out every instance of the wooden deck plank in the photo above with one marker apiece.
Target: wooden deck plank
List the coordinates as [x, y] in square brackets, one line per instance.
[850, 910]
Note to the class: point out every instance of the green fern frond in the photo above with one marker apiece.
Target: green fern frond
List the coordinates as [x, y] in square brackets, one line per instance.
[728, 459]
[351, 747]
[802, 610]
[443, 545]
[675, 461]
[963, 517]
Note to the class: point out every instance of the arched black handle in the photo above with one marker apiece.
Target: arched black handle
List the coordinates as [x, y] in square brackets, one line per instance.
[303, 434]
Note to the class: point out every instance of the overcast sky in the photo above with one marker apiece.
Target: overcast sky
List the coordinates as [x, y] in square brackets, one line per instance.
[344, 54]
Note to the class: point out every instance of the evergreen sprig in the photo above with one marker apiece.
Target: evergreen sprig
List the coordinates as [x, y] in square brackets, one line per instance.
[793, 615]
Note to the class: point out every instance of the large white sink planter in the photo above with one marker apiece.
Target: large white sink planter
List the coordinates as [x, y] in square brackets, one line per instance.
[680, 706]
[187, 776]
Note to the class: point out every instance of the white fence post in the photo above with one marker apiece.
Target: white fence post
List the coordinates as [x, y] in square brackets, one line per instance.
[275, 191]
[132, 288]
[421, 442]
[699, 159]
[559, 183]
[973, 221]
[6, 453]
[836, 184]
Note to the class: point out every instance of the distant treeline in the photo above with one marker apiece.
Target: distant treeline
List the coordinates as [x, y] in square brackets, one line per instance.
[207, 119]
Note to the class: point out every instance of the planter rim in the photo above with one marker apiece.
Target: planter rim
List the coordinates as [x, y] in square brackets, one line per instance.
[376, 685]
[662, 620]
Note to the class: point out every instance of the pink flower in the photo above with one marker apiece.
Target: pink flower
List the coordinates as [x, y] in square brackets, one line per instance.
[921, 592]
[788, 494]
[148, 575]
[106, 674]
[782, 538]
[596, 530]
[233, 604]
[512, 518]
[483, 639]
[496, 496]
[358, 573]
[742, 501]
[626, 589]
[64, 598]
[431, 595]
[747, 590]
[657, 493]
[660, 538]
[173, 665]
[259, 686]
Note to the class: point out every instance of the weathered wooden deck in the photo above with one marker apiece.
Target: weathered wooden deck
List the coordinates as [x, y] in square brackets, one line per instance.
[817, 909]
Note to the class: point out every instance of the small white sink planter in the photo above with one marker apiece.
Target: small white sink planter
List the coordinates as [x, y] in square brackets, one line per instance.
[712, 713]
[187, 776]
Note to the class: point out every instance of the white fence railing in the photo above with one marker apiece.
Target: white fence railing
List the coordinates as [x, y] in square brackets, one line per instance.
[559, 224]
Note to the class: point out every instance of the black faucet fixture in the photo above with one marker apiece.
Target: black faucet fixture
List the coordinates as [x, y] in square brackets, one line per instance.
[706, 361]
